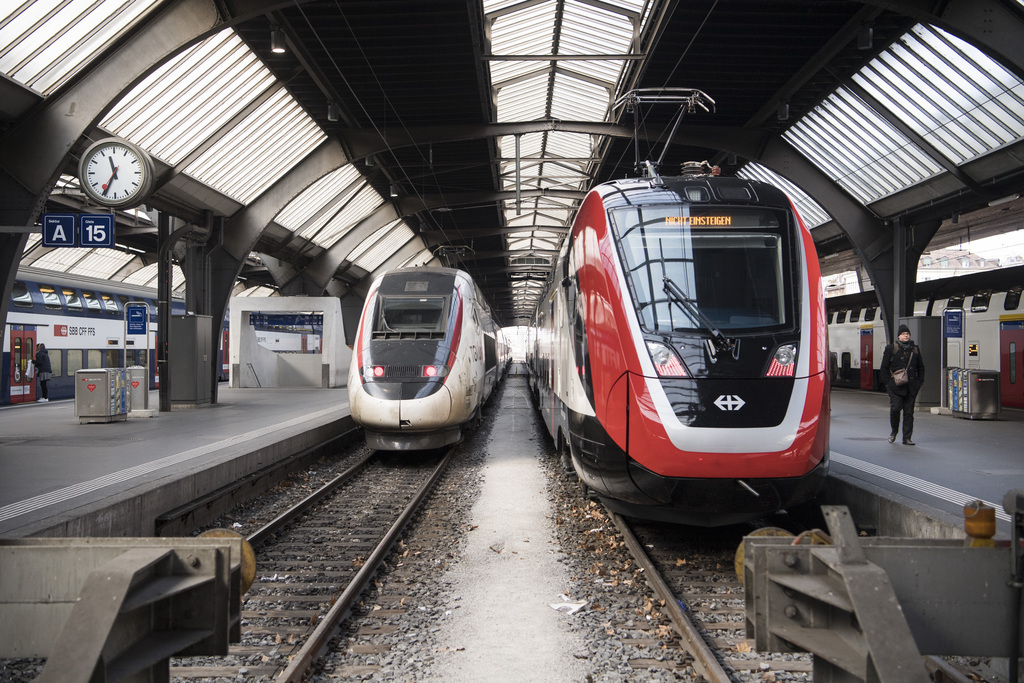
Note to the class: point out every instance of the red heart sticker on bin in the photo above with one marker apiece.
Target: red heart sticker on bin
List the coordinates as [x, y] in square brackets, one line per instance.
[90, 387]
[135, 385]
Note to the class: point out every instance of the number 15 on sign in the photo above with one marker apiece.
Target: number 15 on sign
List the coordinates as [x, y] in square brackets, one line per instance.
[96, 230]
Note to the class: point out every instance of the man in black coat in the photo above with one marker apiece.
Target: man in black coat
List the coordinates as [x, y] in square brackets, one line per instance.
[43, 372]
[902, 354]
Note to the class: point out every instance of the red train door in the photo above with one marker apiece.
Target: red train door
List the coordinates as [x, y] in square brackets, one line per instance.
[23, 349]
[867, 374]
[1011, 362]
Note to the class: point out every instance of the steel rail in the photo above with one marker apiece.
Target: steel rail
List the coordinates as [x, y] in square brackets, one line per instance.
[703, 657]
[327, 626]
[260, 536]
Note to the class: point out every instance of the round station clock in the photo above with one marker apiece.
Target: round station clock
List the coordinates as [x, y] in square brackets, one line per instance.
[116, 173]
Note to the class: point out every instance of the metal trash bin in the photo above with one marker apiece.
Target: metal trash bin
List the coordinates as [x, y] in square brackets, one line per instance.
[975, 394]
[102, 395]
[139, 382]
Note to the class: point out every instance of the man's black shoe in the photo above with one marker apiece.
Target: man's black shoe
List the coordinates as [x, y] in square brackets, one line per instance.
[892, 437]
[908, 442]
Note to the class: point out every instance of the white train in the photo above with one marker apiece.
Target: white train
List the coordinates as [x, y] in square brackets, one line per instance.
[981, 327]
[427, 356]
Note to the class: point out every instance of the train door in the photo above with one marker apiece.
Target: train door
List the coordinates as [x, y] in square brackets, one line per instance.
[1011, 362]
[867, 373]
[23, 349]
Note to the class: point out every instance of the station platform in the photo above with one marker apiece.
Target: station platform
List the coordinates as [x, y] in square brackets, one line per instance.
[62, 478]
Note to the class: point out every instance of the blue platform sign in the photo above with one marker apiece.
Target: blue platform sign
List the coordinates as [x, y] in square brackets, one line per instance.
[96, 230]
[953, 322]
[136, 317]
[59, 230]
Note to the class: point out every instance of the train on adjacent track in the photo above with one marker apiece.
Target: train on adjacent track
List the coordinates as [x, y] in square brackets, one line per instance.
[680, 358]
[81, 320]
[427, 357]
[982, 327]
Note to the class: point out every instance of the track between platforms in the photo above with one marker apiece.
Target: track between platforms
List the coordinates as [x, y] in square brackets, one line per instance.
[314, 560]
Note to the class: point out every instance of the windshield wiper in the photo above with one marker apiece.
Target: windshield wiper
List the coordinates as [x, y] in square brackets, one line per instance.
[679, 297]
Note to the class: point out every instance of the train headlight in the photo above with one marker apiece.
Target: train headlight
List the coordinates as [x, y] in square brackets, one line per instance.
[435, 370]
[784, 362]
[666, 362]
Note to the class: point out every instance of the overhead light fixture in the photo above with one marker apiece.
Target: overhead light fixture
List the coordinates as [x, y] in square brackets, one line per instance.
[955, 219]
[865, 38]
[1003, 200]
[277, 41]
[783, 111]
[332, 112]
[394, 190]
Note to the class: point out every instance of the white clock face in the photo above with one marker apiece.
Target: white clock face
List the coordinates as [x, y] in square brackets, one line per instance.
[115, 174]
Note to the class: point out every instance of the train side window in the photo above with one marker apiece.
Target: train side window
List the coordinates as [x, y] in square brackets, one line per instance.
[56, 362]
[20, 295]
[50, 297]
[95, 358]
[841, 318]
[956, 301]
[92, 302]
[869, 314]
[855, 315]
[831, 317]
[74, 301]
[979, 302]
[110, 304]
[113, 358]
[74, 361]
[1012, 300]
[1013, 362]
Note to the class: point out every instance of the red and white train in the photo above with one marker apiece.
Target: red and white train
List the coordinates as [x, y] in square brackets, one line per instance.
[680, 359]
[426, 358]
[981, 327]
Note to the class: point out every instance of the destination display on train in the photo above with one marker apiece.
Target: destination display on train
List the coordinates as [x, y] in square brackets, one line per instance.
[700, 221]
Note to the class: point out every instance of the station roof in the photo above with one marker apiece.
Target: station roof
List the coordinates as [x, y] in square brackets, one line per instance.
[377, 134]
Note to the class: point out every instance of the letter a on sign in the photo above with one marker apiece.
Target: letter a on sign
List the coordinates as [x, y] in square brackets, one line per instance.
[59, 230]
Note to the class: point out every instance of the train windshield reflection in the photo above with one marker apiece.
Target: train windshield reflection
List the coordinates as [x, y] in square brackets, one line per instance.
[411, 314]
[731, 265]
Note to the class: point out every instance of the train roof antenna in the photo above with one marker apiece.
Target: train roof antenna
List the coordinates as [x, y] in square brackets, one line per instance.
[688, 99]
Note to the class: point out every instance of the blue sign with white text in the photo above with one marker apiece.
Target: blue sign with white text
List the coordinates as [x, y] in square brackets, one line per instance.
[59, 230]
[96, 230]
[136, 318]
[953, 320]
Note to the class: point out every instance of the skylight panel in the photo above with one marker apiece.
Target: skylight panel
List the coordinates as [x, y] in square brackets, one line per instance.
[60, 260]
[419, 259]
[810, 210]
[258, 151]
[147, 277]
[524, 100]
[333, 188]
[380, 246]
[859, 149]
[43, 43]
[101, 263]
[187, 100]
[574, 99]
[590, 29]
[358, 207]
[524, 32]
[258, 291]
[949, 92]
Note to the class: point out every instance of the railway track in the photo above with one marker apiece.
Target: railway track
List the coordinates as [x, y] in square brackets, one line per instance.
[693, 575]
[312, 563]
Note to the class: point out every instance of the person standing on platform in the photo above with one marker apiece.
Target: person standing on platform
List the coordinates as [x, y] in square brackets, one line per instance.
[43, 371]
[902, 355]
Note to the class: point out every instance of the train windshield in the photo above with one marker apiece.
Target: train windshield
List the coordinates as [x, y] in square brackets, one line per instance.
[692, 269]
[412, 314]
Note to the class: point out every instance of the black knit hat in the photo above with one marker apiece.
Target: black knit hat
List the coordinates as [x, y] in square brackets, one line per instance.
[903, 328]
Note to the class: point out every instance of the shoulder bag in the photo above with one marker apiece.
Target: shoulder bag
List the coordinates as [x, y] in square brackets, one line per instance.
[899, 377]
